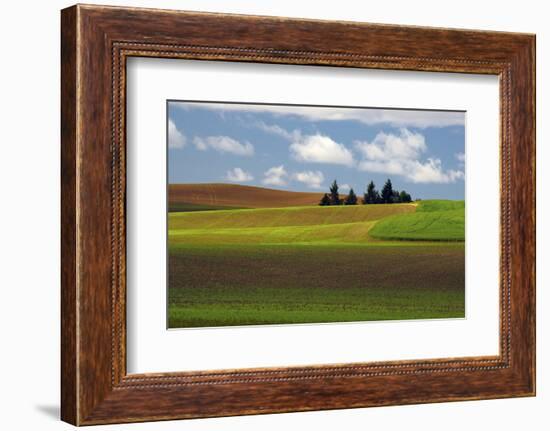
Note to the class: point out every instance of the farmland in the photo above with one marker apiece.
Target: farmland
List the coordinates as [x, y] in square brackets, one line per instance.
[433, 220]
[303, 263]
[220, 195]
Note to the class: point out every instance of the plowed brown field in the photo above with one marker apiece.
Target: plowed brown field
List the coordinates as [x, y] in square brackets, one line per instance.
[235, 195]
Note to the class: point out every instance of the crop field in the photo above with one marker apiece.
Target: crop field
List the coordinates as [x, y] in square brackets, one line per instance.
[237, 196]
[185, 207]
[310, 264]
[433, 220]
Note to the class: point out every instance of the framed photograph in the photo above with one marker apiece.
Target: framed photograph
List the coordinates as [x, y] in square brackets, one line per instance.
[258, 234]
[263, 214]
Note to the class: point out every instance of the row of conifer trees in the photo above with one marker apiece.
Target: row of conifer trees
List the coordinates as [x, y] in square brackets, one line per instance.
[371, 196]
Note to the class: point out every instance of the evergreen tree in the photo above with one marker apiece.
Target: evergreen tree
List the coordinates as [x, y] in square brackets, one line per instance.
[396, 197]
[405, 197]
[334, 196]
[387, 192]
[325, 200]
[352, 198]
[371, 196]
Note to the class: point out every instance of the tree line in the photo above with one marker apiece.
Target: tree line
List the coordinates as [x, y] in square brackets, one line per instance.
[371, 196]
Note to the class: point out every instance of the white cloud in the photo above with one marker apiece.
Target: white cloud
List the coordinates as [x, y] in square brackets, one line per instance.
[312, 179]
[392, 167]
[344, 187]
[237, 175]
[224, 144]
[399, 155]
[320, 149]
[176, 139]
[274, 129]
[461, 157]
[408, 145]
[370, 116]
[432, 172]
[276, 176]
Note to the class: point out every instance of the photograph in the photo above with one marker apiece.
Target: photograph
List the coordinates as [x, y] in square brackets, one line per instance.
[298, 214]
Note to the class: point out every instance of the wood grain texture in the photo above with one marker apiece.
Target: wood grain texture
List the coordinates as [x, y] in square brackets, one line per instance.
[69, 365]
[96, 41]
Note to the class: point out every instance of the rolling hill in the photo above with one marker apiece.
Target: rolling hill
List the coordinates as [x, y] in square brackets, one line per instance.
[291, 225]
[290, 216]
[437, 220]
[201, 197]
[257, 215]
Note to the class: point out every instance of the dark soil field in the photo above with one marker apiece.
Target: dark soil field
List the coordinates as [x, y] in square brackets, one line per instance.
[251, 285]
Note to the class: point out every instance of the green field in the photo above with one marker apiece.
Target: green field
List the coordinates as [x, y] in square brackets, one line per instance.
[433, 220]
[316, 264]
[305, 225]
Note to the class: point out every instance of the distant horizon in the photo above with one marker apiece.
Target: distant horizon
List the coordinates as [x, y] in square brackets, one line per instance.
[319, 192]
[304, 148]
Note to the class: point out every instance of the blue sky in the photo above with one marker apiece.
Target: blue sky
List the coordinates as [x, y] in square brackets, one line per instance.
[304, 148]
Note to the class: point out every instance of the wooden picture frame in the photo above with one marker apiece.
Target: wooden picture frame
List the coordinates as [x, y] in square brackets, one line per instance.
[95, 43]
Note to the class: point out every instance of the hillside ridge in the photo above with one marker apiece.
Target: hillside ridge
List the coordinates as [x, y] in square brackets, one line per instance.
[237, 196]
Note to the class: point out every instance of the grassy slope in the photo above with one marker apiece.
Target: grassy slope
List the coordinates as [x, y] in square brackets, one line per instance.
[293, 216]
[315, 234]
[440, 205]
[342, 224]
[436, 220]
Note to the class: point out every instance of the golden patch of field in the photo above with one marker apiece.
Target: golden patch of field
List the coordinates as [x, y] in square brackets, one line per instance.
[289, 216]
[309, 224]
